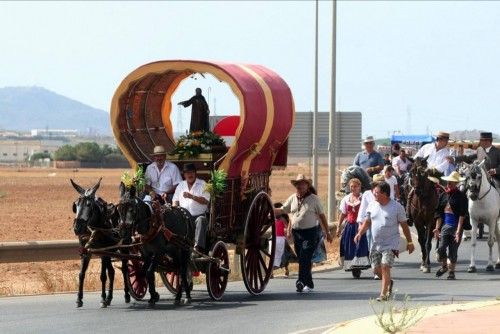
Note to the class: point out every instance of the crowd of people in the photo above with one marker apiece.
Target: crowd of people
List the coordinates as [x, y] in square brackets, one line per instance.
[369, 221]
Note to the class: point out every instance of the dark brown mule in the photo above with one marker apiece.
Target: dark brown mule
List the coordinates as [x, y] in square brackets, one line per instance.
[421, 207]
[95, 214]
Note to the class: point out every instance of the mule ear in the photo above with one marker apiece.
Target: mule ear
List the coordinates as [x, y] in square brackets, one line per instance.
[425, 159]
[95, 187]
[132, 191]
[123, 189]
[78, 189]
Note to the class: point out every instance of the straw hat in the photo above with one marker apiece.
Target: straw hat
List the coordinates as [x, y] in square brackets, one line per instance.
[378, 178]
[159, 150]
[368, 139]
[300, 178]
[442, 134]
[453, 177]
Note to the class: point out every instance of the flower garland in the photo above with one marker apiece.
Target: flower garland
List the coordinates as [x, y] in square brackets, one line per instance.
[197, 142]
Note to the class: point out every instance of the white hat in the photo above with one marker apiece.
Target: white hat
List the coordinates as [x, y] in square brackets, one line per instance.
[300, 178]
[159, 150]
[368, 139]
[453, 177]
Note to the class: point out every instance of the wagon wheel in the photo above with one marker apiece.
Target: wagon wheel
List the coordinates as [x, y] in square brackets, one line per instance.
[356, 273]
[136, 279]
[217, 277]
[171, 281]
[260, 234]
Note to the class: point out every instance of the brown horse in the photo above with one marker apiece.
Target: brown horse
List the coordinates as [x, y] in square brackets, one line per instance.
[421, 207]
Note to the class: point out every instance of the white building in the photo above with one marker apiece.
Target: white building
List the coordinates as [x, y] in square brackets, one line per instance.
[17, 151]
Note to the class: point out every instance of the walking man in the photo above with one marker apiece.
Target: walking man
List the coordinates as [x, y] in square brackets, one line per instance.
[384, 216]
[306, 211]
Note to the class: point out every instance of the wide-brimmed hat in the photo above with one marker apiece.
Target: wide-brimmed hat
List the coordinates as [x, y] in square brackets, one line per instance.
[159, 150]
[442, 134]
[486, 135]
[368, 139]
[453, 177]
[301, 178]
[378, 178]
[189, 167]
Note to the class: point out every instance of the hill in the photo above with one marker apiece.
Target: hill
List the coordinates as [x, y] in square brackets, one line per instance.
[26, 108]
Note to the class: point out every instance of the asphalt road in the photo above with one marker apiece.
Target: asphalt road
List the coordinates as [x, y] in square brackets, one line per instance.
[337, 297]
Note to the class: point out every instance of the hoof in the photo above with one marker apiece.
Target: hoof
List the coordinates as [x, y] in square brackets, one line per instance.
[426, 270]
[497, 266]
[127, 299]
[187, 301]
[472, 269]
[490, 268]
[79, 303]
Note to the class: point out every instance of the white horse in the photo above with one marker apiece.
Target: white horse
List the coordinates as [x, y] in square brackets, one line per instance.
[484, 207]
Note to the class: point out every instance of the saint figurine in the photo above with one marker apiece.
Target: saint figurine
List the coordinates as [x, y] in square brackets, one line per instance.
[199, 112]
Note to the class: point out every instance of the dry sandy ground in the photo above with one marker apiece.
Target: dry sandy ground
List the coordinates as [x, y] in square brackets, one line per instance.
[35, 204]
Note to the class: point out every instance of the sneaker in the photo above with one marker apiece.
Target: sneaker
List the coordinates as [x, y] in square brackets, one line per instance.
[300, 286]
[375, 276]
[451, 275]
[441, 271]
[382, 298]
[307, 289]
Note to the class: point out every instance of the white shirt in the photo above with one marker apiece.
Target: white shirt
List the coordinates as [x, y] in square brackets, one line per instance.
[392, 181]
[403, 166]
[366, 199]
[163, 180]
[198, 189]
[437, 159]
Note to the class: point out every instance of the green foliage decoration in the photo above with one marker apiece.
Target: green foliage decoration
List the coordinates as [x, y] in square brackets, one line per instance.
[138, 179]
[217, 183]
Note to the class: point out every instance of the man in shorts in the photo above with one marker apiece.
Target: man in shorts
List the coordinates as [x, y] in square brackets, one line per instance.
[384, 216]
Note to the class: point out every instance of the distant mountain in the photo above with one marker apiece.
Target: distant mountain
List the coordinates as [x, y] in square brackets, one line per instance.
[26, 108]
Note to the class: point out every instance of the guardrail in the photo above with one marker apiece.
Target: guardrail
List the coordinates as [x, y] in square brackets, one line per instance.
[41, 251]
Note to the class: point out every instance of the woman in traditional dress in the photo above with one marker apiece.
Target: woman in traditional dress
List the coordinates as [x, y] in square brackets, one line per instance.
[353, 256]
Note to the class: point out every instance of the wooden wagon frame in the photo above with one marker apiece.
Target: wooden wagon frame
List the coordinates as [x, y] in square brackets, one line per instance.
[243, 213]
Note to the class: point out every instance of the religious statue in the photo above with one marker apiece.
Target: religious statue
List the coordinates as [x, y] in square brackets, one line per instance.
[199, 112]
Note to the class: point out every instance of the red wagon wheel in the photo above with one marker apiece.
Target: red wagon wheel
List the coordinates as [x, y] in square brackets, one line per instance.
[171, 281]
[260, 244]
[136, 279]
[216, 275]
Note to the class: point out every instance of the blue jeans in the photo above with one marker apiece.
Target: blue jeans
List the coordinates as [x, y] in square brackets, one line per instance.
[305, 243]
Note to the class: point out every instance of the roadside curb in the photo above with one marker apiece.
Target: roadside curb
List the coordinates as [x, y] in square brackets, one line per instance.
[368, 325]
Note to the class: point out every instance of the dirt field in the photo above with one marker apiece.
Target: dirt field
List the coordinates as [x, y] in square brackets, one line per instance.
[35, 204]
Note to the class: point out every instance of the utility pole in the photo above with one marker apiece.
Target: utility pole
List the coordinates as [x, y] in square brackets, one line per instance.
[332, 202]
[315, 112]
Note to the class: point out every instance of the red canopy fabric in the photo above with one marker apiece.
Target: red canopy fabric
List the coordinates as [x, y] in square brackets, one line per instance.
[227, 126]
[141, 107]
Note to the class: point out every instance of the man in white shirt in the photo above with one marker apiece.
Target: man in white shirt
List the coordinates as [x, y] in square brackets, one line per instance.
[162, 176]
[401, 163]
[437, 153]
[191, 195]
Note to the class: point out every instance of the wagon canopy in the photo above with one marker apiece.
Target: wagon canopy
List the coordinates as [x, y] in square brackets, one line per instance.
[141, 108]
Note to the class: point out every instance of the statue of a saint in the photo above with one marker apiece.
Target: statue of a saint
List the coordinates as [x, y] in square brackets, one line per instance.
[199, 112]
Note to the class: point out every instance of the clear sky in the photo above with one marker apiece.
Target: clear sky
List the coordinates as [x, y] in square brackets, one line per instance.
[438, 62]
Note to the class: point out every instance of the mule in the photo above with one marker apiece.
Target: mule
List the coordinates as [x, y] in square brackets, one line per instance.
[355, 172]
[95, 214]
[421, 207]
[150, 222]
[484, 207]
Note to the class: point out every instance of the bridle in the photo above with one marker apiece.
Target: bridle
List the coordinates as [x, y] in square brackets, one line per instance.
[475, 174]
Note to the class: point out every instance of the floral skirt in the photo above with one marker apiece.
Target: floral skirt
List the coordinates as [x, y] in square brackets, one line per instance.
[354, 255]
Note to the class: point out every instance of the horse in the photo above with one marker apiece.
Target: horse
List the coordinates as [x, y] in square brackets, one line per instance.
[154, 224]
[422, 204]
[97, 215]
[355, 172]
[484, 207]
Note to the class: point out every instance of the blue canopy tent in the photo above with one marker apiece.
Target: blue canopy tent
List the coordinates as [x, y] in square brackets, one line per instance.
[411, 139]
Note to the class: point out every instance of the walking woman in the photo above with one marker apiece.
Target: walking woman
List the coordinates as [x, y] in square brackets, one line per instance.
[349, 250]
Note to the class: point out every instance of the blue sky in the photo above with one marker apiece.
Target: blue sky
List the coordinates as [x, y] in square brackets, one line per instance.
[436, 61]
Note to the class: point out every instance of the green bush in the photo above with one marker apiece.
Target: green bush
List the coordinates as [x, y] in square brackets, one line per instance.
[65, 153]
